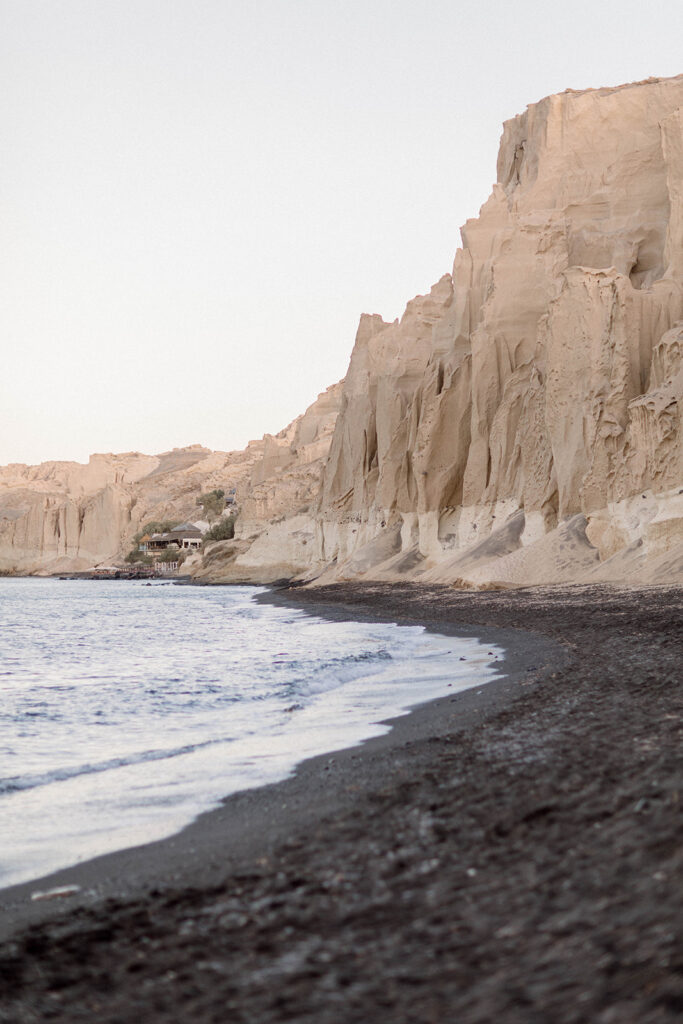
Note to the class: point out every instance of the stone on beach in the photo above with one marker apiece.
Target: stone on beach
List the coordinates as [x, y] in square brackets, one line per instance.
[58, 892]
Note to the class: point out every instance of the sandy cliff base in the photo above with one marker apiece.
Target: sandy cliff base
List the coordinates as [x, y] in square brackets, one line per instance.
[512, 856]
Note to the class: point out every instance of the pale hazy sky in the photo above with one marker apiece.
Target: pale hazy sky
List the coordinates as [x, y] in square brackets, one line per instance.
[198, 198]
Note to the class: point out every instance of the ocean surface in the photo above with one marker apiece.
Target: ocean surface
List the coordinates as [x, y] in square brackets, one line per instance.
[126, 709]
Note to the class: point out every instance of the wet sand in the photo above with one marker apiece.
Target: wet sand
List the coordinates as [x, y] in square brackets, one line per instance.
[513, 853]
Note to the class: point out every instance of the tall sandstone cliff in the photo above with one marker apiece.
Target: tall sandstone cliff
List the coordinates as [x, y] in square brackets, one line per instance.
[522, 422]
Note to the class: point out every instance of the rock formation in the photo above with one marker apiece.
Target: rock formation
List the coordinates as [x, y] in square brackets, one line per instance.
[521, 424]
[276, 531]
[65, 517]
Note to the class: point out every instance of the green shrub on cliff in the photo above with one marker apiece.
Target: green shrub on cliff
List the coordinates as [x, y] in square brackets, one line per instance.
[213, 503]
[135, 555]
[155, 526]
[224, 529]
[171, 554]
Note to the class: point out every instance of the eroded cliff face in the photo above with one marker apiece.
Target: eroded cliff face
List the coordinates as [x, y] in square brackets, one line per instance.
[522, 422]
[66, 517]
[276, 529]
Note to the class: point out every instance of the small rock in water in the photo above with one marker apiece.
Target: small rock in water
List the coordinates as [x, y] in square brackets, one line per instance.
[56, 893]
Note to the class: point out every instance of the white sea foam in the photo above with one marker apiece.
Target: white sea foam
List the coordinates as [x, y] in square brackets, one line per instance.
[127, 710]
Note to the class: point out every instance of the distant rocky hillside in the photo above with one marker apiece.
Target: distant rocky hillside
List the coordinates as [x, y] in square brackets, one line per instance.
[64, 516]
[521, 424]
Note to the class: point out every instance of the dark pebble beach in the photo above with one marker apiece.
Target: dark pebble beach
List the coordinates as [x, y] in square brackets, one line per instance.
[511, 854]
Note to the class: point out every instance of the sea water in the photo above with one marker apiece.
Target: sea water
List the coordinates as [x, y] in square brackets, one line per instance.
[126, 709]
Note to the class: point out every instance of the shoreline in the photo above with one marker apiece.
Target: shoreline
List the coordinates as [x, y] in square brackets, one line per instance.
[125, 871]
[531, 825]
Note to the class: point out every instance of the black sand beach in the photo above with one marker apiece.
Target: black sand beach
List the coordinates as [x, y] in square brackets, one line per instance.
[511, 854]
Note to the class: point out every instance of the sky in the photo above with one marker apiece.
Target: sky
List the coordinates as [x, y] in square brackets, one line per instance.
[198, 198]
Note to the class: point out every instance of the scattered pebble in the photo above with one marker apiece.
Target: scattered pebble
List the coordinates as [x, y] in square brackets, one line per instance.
[58, 892]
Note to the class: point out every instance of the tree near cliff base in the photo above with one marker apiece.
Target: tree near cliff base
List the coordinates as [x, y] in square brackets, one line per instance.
[213, 503]
[224, 529]
[171, 554]
[135, 556]
[155, 526]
